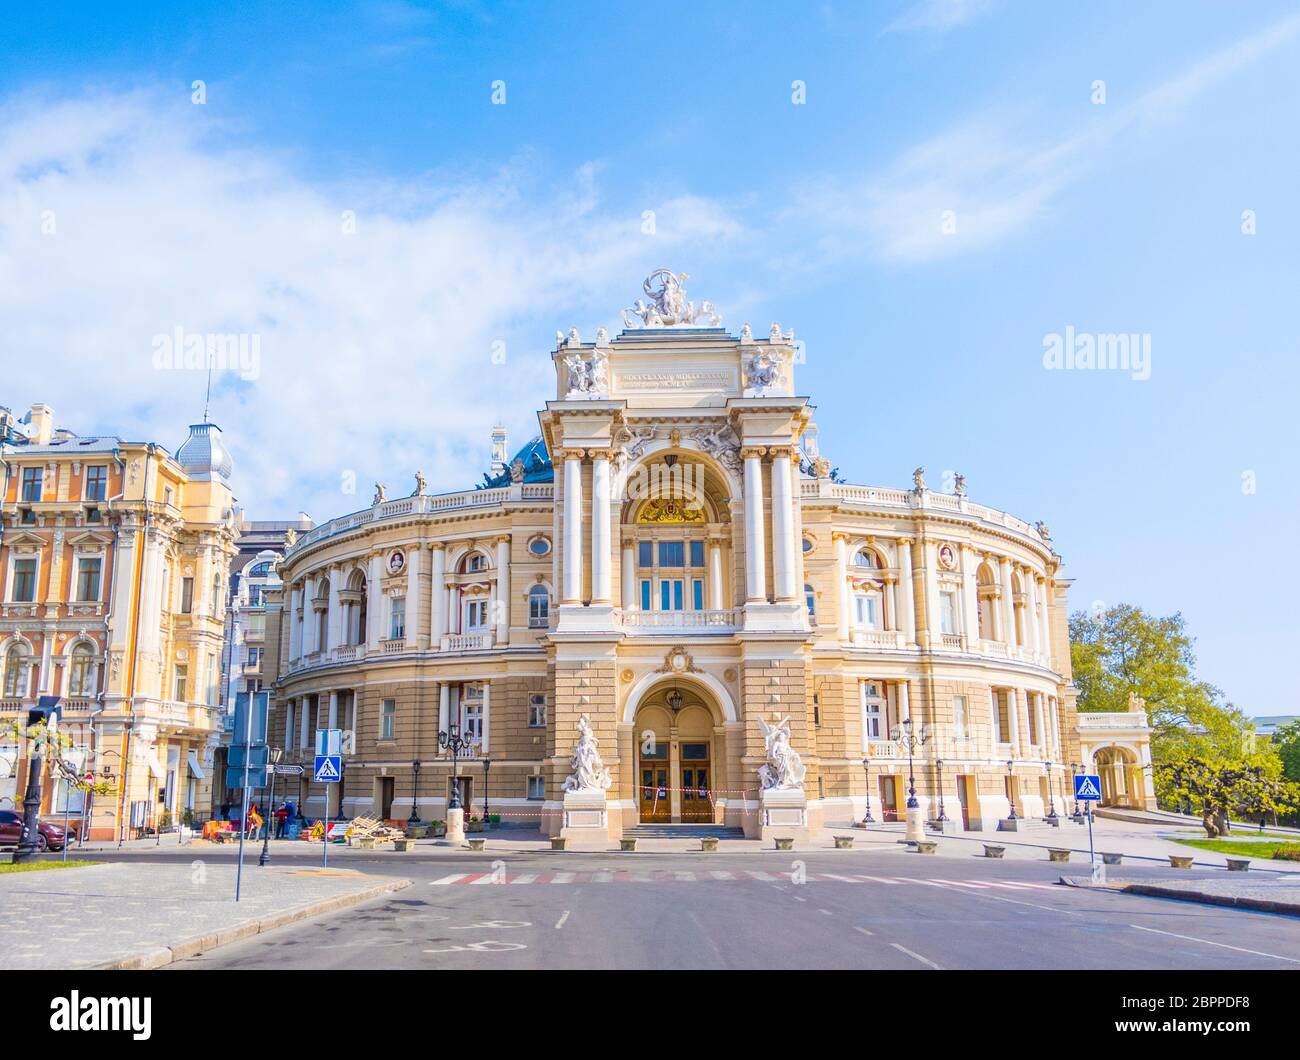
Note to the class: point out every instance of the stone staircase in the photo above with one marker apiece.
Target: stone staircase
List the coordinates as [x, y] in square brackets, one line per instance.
[682, 831]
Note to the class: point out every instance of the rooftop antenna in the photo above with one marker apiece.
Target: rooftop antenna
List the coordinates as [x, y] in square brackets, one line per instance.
[207, 397]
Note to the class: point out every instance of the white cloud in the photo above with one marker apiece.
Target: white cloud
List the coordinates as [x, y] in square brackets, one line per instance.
[376, 348]
[986, 180]
[939, 16]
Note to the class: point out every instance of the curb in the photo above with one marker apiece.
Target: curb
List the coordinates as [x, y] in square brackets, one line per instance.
[164, 955]
[1262, 905]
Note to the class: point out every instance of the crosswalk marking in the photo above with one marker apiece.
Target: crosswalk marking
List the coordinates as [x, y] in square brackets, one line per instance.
[733, 875]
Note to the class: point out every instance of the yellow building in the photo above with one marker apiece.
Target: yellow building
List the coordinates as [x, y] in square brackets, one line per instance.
[751, 642]
[112, 570]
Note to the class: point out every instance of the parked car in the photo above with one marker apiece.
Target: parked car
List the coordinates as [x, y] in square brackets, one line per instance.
[49, 836]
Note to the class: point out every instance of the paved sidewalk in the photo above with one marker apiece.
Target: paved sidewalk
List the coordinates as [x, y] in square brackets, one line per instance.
[1271, 895]
[124, 915]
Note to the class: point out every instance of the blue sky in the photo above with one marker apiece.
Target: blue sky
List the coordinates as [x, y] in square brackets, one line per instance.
[478, 223]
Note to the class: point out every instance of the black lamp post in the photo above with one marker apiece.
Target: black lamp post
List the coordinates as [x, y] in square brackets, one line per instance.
[31, 805]
[276, 754]
[487, 764]
[451, 740]
[1075, 769]
[938, 765]
[1011, 790]
[1051, 799]
[910, 739]
[415, 794]
[866, 769]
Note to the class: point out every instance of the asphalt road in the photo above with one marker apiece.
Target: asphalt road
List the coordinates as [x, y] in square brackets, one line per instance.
[849, 910]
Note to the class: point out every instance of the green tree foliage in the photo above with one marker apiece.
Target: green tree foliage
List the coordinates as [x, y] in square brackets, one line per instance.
[1219, 789]
[1123, 651]
[1288, 750]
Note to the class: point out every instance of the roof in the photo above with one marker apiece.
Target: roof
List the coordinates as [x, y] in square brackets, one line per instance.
[536, 461]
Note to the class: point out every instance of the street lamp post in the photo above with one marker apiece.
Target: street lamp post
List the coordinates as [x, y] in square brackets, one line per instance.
[1051, 799]
[1011, 790]
[415, 794]
[276, 754]
[938, 765]
[452, 740]
[866, 770]
[912, 739]
[1075, 769]
[487, 764]
[31, 805]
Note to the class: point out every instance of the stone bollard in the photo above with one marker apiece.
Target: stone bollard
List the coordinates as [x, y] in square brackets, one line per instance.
[1238, 864]
[709, 843]
[843, 842]
[926, 846]
[476, 843]
[1111, 859]
[403, 845]
[1055, 854]
[785, 844]
[991, 851]
[1178, 862]
[557, 842]
[627, 844]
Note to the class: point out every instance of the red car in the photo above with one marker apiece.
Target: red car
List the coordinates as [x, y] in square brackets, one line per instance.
[48, 836]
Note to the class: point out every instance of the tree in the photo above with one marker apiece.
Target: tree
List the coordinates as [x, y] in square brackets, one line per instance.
[1288, 750]
[1218, 788]
[1123, 651]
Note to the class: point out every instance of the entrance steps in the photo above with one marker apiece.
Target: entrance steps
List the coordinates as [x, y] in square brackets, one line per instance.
[682, 831]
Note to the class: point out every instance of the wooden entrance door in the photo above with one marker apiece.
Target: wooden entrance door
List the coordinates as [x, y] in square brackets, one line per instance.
[654, 795]
[385, 798]
[697, 783]
[964, 797]
[888, 798]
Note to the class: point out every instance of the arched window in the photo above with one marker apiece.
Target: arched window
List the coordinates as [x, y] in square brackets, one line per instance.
[986, 600]
[539, 607]
[260, 570]
[865, 557]
[473, 563]
[81, 672]
[810, 597]
[323, 617]
[15, 673]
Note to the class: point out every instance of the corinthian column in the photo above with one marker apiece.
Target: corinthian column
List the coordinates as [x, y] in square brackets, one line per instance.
[412, 597]
[755, 544]
[601, 548]
[627, 576]
[907, 605]
[503, 590]
[1008, 602]
[572, 588]
[842, 593]
[438, 596]
[783, 553]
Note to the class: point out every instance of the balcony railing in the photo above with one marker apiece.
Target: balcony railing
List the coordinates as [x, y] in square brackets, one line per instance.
[712, 621]
[467, 642]
[1127, 719]
[877, 638]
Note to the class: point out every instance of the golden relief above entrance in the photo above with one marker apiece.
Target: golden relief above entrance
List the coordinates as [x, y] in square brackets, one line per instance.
[670, 510]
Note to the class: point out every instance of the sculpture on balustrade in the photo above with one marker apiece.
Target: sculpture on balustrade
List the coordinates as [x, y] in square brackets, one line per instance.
[918, 480]
[589, 772]
[959, 485]
[784, 769]
[381, 494]
[517, 470]
[419, 484]
[1043, 532]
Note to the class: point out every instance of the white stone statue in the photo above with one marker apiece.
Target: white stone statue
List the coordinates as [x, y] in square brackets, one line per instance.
[587, 378]
[589, 772]
[1043, 531]
[420, 484]
[784, 769]
[746, 334]
[761, 372]
[918, 479]
[668, 306]
[381, 494]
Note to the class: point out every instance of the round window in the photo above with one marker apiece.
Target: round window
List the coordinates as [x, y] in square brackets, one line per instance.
[808, 544]
[539, 546]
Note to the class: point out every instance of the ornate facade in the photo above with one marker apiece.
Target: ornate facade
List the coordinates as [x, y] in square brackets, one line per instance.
[112, 570]
[669, 579]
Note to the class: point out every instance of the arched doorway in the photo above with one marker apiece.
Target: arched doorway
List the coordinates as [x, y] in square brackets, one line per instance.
[1121, 780]
[678, 757]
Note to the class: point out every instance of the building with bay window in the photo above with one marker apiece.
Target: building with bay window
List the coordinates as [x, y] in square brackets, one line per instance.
[672, 559]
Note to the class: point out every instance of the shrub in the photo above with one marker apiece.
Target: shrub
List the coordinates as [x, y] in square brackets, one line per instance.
[1287, 852]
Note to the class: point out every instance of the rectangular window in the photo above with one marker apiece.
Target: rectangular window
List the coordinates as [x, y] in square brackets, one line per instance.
[187, 596]
[387, 718]
[1033, 720]
[476, 612]
[32, 477]
[536, 788]
[865, 611]
[1002, 726]
[96, 483]
[24, 587]
[645, 553]
[88, 579]
[179, 682]
[872, 709]
[645, 594]
[948, 612]
[697, 553]
[537, 710]
[397, 619]
[697, 594]
[672, 554]
[670, 594]
[254, 656]
[471, 713]
[959, 716]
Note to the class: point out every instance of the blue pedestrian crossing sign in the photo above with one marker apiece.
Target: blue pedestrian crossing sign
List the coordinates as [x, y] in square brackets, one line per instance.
[329, 769]
[1087, 787]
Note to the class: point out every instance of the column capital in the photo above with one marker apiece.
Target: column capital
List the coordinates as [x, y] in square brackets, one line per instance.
[602, 454]
[754, 452]
[566, 454]
[839, 535]
[777, 452]
[434, 546]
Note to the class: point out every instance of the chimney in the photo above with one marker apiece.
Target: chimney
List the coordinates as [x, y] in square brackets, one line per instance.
[498, 449]
[41, 417]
